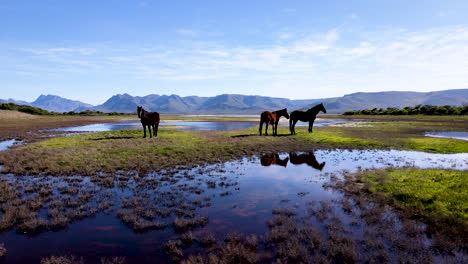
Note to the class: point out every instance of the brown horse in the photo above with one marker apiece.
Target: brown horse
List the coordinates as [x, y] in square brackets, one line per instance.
[305, 116]
[148, 119]
[307, 158]
[269, 159]
[272, 118]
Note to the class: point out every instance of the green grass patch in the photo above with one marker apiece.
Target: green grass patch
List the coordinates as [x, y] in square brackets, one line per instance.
[334, 138]
[127, 150]
[430, 192]
[437, 145]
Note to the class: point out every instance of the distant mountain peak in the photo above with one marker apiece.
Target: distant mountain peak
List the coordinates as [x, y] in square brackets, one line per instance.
[56, 103]
[237, 103]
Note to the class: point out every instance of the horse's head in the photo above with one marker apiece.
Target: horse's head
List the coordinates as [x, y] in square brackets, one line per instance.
[322, 165]
[322, 108]
[284, 112]
[139, 110]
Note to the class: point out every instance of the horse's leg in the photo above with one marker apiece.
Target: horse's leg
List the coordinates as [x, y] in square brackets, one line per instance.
[276, 128]
[311, 125]
[260, 129]
[290, 126]
[294, 126]
[155, 130]
[149, 130]
[266, 129]
[144, 129]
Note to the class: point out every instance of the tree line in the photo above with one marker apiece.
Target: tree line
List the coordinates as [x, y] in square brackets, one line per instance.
[414, 110]
[39, 111]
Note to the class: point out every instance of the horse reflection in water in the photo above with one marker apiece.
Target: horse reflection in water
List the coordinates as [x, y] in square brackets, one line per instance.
[307, 158]
[296, 159]
[273, 159]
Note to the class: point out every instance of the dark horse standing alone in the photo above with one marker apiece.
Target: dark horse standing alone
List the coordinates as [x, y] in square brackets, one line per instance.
[305, 116]
[272, 118]
[148, 119]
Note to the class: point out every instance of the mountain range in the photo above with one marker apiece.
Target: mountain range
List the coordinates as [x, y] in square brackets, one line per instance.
[250, 104]
[52, 103]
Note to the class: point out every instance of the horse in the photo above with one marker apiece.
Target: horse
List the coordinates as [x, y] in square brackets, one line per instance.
[150, 119]
[269, 159]
[305, 116]
[272, 118]
[307, 158]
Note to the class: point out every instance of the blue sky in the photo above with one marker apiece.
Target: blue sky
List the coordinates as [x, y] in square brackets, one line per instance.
[91, 50]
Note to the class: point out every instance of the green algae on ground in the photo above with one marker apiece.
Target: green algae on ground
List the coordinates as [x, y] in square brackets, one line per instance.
[430, 192]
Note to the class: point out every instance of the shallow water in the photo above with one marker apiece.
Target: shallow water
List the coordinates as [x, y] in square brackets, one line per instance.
[185, 125]
[4, 145]
[235, 196]
[449, 134]
[180, 125]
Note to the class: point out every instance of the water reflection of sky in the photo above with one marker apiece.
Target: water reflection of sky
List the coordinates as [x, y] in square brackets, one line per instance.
[249, 205]
[450, 134]
[7, 143]
[181, 125]
[184, 125]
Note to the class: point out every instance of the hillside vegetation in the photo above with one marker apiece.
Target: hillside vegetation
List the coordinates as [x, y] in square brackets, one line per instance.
[25, 109]
[39, 111]
[417, 110]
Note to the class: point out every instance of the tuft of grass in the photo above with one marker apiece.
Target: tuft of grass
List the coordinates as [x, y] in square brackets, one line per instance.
[433, 193]
[3, 250]
[62, 260]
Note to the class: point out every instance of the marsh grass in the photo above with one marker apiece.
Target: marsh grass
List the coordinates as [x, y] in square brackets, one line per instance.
[432, 193]
[27, 127]
[126, 150]
[3, 250]
[75, 260]
[62, 260]
[437, 198]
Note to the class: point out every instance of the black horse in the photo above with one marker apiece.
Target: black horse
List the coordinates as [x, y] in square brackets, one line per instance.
[307, 158]
[148, 119]
[305, 116]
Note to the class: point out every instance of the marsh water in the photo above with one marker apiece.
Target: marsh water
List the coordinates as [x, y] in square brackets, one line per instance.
[133, 215]
[448, 134]
[184, 125]
[4, 145]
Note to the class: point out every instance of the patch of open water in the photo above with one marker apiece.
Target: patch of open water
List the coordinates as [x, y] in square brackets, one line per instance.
[4, 145]
[134, 216]
[448, 134]
[184, 125]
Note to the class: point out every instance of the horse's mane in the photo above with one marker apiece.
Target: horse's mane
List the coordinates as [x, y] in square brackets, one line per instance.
[314, 108]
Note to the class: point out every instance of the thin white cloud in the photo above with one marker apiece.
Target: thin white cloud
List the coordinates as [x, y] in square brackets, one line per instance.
[385, 59]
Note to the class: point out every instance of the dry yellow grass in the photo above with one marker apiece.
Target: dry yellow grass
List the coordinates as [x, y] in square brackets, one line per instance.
[14, 124]
[15, 115]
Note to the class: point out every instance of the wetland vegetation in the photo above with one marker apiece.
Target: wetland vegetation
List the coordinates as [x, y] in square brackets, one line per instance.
[371, 191]
[416, 110]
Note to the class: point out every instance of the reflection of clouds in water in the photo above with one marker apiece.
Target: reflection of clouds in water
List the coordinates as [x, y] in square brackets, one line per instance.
[452, 134]
[102, 228]
[106, 245]
[255, 191]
